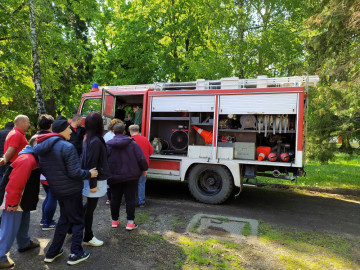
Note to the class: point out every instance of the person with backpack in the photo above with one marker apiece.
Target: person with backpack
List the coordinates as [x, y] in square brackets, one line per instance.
[19, 194]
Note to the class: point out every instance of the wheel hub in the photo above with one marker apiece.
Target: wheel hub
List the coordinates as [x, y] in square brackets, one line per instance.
[210, 183]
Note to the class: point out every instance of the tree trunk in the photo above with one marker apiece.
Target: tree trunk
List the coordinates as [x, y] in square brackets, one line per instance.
[36, 65]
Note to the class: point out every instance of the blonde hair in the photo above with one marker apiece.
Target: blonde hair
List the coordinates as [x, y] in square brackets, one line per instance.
[32, 141]
[114, 122]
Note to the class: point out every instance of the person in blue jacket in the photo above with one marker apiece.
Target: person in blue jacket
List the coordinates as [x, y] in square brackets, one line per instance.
[60, 164]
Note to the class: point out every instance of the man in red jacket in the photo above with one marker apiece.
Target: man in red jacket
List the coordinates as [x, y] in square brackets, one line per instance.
[15, 141]
[147, 149]
[18, 196]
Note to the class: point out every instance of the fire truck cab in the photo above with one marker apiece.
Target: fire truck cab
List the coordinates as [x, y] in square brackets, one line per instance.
[216, 135]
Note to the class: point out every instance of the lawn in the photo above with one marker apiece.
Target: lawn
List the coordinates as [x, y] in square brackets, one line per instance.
[276, 247]
[342, 172]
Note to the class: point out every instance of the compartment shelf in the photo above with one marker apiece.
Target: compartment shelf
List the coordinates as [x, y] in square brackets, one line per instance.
[201, 124]
[256, 131]
[170, 118]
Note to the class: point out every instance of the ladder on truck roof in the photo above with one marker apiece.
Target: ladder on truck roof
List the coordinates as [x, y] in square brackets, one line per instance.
[236, 83]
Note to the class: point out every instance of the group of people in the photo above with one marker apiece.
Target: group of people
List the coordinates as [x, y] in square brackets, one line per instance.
[71, 163]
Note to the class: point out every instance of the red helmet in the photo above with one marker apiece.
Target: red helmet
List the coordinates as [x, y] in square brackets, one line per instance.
[285, 157]
[272, 157]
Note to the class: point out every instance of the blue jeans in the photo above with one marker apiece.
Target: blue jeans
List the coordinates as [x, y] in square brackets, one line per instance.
[49, 206]
[141, 189]
[14, 225]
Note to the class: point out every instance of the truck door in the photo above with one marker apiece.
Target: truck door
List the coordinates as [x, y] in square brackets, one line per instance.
[108, 103]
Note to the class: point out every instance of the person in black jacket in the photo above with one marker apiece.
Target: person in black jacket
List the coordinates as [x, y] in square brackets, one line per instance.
[60, 164]
[78, 133]
[94, 156]
[3, 133]
[127, 162]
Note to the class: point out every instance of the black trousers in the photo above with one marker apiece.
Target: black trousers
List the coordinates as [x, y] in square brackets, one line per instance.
[127, 188]
[71, 217]
[89, 209]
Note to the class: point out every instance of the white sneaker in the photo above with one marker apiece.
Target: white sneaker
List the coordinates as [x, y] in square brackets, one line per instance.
[94, 242]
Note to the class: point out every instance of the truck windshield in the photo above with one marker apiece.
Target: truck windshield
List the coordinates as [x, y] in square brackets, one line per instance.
[91, 105]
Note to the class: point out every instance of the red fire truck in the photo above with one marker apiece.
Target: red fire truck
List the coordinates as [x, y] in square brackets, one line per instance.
[216, 135]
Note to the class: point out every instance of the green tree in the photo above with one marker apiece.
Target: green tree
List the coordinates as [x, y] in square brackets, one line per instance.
[333, 51]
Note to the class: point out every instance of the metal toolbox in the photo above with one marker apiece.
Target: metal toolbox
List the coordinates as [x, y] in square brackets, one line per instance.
[244, 150]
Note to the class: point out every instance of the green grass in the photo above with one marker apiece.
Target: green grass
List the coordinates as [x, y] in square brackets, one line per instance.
[247, 229]
[342, 172]
[142, 217]
[223, 219]
[176, 222]
[209, 254]
[282, 247]
[309, 250]
[194, 229]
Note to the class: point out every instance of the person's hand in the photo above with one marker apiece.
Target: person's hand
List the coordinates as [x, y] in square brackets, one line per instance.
[2, 161]
[94, 172]
[12, 208]
[145, 173]
[93, 190]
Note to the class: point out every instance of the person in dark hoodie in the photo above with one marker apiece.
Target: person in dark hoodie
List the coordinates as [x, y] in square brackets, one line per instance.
[94, 155]
[127, 162]
[78, 133]
[60, 164]
[50, 203]
[19, 194]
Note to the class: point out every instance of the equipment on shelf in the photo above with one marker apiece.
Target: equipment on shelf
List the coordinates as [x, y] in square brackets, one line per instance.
[159, 144]
[272, 157]
[207, 135]
[285, 157]
[248, 122]
[262, 152]
[179, 139]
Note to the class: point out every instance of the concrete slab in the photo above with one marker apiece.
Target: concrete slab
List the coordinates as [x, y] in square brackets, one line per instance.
[222, 226]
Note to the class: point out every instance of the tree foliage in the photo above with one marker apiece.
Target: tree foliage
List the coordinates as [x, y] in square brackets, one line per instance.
[115, 42]
[333, 52]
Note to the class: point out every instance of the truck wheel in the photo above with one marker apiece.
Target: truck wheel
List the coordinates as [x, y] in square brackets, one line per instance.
[210, 183]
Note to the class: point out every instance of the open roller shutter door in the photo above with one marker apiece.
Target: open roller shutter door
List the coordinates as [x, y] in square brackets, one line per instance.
[259, 104]
[183, 104]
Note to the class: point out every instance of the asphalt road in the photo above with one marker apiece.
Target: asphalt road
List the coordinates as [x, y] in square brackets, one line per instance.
[286, 208]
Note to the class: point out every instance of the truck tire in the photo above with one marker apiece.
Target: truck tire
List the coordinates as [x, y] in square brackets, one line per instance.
[210, 184]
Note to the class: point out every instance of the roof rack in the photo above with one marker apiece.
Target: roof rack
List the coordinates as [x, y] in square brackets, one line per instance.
[223, 83]
[236, 83]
